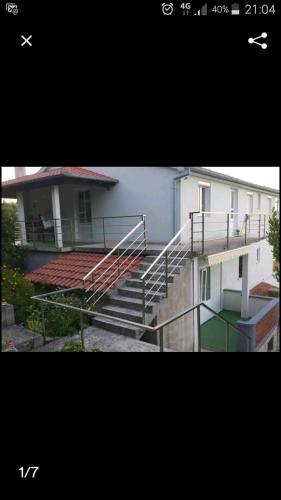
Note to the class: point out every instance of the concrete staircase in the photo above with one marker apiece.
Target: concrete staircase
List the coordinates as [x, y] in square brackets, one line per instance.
[126, 302]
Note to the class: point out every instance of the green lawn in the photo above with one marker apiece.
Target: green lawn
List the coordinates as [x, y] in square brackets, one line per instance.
[213, 332]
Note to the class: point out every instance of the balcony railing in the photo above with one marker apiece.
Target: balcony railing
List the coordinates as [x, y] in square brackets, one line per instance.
[45, 233]
[226, 228]
[104, 232]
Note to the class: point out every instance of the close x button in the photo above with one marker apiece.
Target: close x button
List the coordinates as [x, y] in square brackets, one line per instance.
[26, 40]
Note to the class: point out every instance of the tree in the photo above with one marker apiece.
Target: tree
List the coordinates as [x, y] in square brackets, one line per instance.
[13, 256]
[273, 238]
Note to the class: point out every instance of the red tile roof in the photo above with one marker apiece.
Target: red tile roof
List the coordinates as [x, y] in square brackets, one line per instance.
[67, 270]
[262, 289]
[59, 172]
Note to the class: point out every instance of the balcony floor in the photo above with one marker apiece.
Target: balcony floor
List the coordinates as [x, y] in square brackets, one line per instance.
[220, 245]
[211, 246]
[213, 332]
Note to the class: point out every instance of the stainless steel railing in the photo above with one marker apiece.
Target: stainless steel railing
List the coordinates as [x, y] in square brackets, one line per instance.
[100, 231]
[107, 230]
[157, 330]
[128, 250]
[155, 278]
[50, 233]
[220, 226]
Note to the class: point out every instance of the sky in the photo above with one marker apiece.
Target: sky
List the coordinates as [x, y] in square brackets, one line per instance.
[265, 176]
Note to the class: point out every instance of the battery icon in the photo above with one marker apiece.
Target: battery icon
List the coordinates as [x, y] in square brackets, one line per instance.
[235, 9]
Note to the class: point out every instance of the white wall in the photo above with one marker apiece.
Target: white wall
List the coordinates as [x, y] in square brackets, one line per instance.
[220, 202]
[258, 272]
[227, 276]
[232, 301]
[220, 196]
[216, 292]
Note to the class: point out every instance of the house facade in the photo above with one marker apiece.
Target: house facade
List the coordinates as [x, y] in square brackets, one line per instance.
[222, 224]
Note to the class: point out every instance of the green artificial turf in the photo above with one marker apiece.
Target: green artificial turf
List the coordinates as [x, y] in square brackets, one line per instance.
[213, 332]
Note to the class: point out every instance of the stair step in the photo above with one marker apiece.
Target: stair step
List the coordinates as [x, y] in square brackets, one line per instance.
[123, 313]
[157, 276]
[118, 327]
[152, 285]
[179, 252]
[137, 293]
[175, 269]
[130, 303]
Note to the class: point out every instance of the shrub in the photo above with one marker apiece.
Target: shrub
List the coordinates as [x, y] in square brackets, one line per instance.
[59, 322]
[16, 290]
[72, 347]
[12, 255]
[273, 238]
[62, 322]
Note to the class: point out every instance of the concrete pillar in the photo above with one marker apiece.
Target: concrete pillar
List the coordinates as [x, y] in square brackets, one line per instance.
[195, 301]
[20, 171]
[57, 216]
[21, 218]
[245, 288]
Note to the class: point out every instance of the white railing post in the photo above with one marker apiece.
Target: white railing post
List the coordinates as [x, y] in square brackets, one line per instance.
[21, 218]
[57, 216]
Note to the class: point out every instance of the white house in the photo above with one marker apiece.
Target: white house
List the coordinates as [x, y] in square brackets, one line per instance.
[219, 255]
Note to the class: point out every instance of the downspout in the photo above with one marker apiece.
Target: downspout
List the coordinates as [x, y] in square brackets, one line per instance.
[186, 173]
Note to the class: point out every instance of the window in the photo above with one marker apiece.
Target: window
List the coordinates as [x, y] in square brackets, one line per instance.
[241, 267]
[277, 205]
[259, 201]
[250, 203]
[269, 200]
[205, 284]
[258, 255]
[204, 197]
[85, 210]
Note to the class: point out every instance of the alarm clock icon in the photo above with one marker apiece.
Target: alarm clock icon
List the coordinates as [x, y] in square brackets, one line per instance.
[167, 9]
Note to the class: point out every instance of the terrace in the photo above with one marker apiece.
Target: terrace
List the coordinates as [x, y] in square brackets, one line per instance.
[258, 329]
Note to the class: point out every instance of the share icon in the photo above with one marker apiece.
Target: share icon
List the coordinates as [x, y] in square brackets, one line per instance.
[254, 40]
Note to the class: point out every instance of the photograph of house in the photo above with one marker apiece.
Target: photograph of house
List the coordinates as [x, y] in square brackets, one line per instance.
[145, 244]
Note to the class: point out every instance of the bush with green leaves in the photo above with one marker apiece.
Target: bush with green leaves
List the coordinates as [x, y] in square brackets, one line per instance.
[12, 255]
[61, 322]
[17, 290]
[72, 346]
[273, 238]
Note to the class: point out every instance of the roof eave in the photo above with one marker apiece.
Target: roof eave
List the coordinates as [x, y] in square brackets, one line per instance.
[12, 189]
[227, 178]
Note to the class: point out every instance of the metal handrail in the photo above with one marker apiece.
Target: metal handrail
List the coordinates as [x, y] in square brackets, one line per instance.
[141, 223]
[157, 285]
[254, 214]
[247, 225]
[119, 274]
[118, 217]
[159, 328]
[119, 257]
[165, 250]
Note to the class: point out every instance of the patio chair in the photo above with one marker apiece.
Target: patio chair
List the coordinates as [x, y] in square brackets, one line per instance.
[46, 229]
